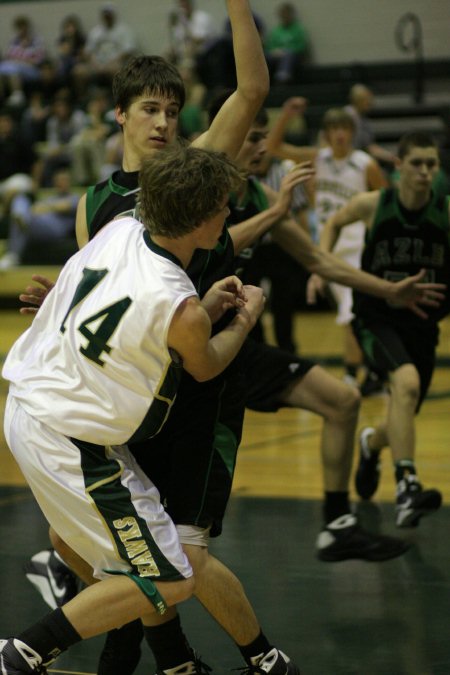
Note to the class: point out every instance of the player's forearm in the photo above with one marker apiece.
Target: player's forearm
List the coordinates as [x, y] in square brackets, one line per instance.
[246, 233]
[223, 348]
[334, 269]
[329, 236]
[327, 265]
[251, 68]
[276, 135]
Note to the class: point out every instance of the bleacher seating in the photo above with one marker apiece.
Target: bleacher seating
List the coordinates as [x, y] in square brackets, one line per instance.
[395, 85]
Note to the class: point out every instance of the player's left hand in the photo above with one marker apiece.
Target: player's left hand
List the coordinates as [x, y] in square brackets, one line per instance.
[225, 294]
[412, 293]
[34, 296]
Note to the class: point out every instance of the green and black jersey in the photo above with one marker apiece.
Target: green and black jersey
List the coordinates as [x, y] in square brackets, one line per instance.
[111, 199]
[118, 196]
[401, 243]
[254, 202]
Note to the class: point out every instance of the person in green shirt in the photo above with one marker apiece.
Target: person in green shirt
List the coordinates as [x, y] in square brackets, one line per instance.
[286, 44]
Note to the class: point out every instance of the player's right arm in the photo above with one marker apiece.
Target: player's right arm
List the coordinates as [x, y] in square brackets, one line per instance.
[204, 356]
[231, 124]
[361, 207]
[276, 145]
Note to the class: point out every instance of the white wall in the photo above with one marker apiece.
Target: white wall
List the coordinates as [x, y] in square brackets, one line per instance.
[341, 31]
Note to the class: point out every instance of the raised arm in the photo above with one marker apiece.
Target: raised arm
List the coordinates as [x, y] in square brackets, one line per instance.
[231, 124]
[361, 207]
[276, 145]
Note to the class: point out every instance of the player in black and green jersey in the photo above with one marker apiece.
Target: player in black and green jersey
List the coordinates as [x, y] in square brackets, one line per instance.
[407, 231]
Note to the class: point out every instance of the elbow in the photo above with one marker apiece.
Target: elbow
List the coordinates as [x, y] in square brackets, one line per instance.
[256, 90]
[201, 377]
[203, 374]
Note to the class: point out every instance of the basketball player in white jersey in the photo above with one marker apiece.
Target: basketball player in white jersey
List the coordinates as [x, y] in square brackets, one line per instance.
[99, 367]
[341, 172]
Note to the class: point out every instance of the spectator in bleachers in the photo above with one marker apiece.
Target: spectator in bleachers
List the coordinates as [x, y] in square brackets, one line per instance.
[361, 102]
[113, 155]
[63, 124]
[108, 45]
[70, 45]
[50, 80]
[20, 63]
[89, 144]
[286, 45]
[33, 121]
[216, 67]
[191, 33]
[192, 118]
[19, 165]
[17, 156]
[43, 220]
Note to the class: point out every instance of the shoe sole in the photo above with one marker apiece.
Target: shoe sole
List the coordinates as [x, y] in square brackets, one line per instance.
[374, 556]
[427, 509]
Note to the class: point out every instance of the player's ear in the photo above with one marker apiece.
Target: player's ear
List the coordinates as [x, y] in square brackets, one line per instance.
[120, 115]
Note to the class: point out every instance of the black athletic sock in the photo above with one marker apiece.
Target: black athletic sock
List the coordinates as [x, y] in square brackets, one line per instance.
[403, 468]
[258, 647]
[50, 636]
[122, 650]
[168, 644]
[336, 504]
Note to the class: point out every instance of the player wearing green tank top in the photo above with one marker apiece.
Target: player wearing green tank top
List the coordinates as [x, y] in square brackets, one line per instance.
[407, 231]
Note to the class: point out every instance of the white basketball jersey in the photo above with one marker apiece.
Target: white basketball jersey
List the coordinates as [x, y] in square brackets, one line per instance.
[95, 365]
[337, 181]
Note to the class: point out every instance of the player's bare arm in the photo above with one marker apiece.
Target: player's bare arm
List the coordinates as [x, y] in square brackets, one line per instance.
[276, 145]
[409, 292]
[375, 176]
[247, 232]
[361, 207]
[230, 126]
[81, 229]
[204, 356]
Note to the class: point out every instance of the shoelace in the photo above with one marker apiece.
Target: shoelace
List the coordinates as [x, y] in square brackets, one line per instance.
[200, 666]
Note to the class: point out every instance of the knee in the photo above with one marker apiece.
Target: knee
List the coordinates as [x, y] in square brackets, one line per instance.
[351, 401]
[347, 403]
[405, 385]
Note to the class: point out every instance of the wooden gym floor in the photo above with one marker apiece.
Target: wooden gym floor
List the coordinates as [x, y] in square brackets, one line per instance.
[349, 618]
